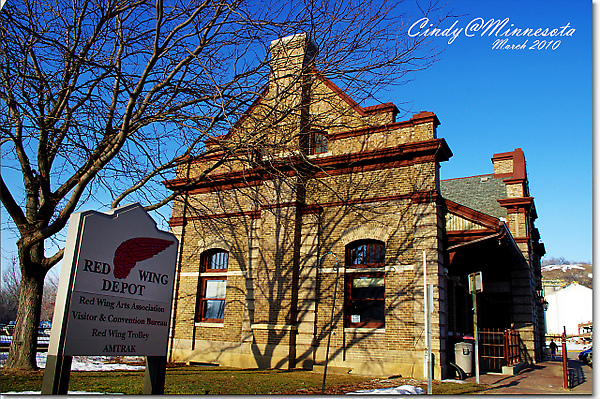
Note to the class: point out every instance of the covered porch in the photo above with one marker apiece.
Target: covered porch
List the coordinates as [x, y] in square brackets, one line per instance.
[476, 242]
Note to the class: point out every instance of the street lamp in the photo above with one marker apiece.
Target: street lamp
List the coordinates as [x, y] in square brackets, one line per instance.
[545, 304]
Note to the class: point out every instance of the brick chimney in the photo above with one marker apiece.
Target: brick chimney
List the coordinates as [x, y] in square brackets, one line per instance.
[290, 56]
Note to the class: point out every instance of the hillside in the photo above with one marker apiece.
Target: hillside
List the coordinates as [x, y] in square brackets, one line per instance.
[580, 273]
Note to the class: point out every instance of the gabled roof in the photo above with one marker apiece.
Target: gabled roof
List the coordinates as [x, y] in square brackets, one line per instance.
[362, 111]
[475, 218]
[480, 193]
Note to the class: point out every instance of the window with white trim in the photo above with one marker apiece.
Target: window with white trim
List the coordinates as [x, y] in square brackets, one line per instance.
[212, 286]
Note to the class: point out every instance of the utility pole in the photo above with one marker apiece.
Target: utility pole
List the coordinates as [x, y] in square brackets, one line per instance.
[476, 337]
[427, 299]
[429, 360]
[475, 286]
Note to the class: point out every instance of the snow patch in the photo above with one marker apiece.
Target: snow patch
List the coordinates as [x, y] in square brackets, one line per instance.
[91, 363]
[564, 268]
[88, 363]
[401, 390]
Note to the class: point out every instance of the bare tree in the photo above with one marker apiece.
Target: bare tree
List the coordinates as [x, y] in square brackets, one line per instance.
[9, 293]
[49, 297]
[102, 99]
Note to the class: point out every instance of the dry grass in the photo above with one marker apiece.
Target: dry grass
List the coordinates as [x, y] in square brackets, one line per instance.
[202, 380]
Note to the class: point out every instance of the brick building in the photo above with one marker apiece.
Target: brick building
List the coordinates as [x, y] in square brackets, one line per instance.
[490, 227]
[323, 231]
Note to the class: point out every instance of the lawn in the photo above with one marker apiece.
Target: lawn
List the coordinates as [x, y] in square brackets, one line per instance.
[201, 380]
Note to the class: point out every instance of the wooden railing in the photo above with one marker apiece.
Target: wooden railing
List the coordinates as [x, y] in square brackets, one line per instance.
[498, 348]
[512, 353]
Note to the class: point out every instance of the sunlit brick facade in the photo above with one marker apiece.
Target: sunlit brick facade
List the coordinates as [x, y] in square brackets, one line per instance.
[323, 239]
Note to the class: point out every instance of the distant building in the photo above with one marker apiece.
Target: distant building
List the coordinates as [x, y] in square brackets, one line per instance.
[568, 307]
[586, 330]
[551, 286]
[282, 251]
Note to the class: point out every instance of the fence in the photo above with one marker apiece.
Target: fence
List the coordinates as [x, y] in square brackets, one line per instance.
[498, 348]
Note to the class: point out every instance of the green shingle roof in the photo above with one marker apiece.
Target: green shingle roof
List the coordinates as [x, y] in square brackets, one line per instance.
[477, 192]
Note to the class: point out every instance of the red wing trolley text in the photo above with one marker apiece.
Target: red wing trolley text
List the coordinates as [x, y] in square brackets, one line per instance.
[120, 334]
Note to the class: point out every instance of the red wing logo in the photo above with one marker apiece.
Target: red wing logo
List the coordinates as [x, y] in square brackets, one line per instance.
[136, 250]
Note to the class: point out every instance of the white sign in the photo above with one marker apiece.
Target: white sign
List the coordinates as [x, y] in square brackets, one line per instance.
[475, 282]
[122, 277]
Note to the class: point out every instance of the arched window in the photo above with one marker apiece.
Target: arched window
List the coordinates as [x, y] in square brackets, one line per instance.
[365, 253]
[214, 260]
[212, 286]
[365, 292]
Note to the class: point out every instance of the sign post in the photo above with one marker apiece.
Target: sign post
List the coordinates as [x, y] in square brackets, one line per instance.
[565, 358]
[475, 286]
[428, 308]
[429, 356]
[114, 294]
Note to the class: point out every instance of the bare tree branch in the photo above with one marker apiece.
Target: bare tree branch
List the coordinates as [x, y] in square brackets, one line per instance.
[105, 98]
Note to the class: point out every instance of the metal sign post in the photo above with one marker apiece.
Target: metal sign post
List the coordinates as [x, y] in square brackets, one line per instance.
[475, 286]
[429, 360]
[427, 307]
[426, 323]
[565, 359]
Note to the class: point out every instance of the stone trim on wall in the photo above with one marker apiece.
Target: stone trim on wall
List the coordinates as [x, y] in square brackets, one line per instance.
[207, 324]
[368, 231]
[213, 243]
[403, 155]
[415, 197]
[385, 269]
[215, 274]
[274, 327]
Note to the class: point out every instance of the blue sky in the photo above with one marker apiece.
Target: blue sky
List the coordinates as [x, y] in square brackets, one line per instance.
[491, 101]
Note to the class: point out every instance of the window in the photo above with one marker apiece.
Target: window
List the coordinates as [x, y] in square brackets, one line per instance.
[318, 143]
[365, 300]
[215, 260]
[365, 292]
[211, 289]
[365, 254]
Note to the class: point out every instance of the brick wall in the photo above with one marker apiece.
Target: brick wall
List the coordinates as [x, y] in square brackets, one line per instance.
[286, 232]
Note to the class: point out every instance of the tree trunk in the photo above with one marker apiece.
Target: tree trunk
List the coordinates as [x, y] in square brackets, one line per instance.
[22, 351]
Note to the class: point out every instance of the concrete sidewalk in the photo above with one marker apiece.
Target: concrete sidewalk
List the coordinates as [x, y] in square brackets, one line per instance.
[542, 378]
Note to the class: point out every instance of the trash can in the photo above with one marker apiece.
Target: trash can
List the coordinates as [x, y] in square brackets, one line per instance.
[463, 354]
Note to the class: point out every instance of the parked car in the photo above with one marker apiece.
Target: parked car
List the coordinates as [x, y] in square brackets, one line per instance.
[45, 328]
[586, 355]
[45, 325]
[10, 328]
